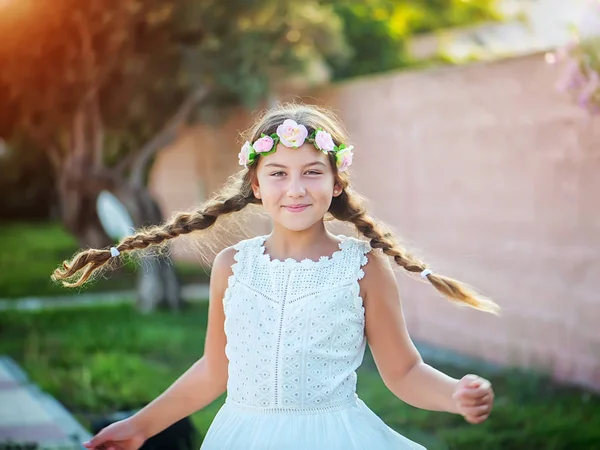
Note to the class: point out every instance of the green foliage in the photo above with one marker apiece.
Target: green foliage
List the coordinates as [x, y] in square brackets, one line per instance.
[378, 31]
[249, 45]
[99, 359]
[29, 253]
[423, 16]
[375, 46]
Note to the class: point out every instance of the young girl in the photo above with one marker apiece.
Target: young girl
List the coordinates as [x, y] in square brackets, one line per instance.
[290, 313]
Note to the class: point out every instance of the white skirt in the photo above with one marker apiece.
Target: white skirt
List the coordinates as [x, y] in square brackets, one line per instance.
[350, 427]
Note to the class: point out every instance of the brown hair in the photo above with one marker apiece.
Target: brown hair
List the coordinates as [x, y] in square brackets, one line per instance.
[238, 194]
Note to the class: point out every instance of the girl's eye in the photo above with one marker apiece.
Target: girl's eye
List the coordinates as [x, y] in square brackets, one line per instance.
[277, 174]
[313, 172]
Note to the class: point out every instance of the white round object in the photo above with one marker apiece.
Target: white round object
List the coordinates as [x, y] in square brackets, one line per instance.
[113, 215]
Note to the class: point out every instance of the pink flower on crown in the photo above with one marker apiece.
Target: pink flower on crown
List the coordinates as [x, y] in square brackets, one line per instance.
[244, 155]
[343, 158]
[264, 144]
[291, 134]
[324, 141]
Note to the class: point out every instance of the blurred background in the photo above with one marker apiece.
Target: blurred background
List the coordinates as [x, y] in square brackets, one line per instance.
[477, 134]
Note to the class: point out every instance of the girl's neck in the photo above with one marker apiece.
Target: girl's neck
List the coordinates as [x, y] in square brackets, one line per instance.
[311, 243]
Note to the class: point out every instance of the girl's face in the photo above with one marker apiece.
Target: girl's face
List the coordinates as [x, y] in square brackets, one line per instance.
[295, 185]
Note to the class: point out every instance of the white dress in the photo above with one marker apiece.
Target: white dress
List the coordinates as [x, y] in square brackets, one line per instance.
[295, 336]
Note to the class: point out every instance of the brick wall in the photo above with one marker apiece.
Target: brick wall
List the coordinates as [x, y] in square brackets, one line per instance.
[489, 175]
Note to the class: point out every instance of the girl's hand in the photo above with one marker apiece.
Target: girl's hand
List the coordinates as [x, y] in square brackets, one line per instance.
[122, 435]
[474, 398]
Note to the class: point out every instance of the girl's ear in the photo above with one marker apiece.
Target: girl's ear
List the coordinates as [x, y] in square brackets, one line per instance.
[256, 189]
[337, 189]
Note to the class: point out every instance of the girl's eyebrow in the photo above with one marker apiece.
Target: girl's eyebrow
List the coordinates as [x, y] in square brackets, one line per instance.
[315, 163]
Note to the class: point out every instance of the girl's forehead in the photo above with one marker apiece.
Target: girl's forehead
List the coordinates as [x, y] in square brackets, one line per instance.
[304, 154]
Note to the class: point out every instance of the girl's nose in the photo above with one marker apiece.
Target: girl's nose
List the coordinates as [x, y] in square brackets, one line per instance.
[296, 189]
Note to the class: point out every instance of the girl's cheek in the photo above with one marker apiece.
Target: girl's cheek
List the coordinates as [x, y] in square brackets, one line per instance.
[321, 183]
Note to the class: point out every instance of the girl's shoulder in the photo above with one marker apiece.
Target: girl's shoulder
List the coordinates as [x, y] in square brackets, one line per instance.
[352, 242]
[229, 256]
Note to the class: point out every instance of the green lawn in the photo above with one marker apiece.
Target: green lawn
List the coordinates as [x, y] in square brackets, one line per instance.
[101, 359]
[29, 253]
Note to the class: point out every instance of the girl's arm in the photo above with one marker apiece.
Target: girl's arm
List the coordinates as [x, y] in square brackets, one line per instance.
[207, 378]
[398, 361]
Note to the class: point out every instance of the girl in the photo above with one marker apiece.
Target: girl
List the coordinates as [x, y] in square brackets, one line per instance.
[290, 313]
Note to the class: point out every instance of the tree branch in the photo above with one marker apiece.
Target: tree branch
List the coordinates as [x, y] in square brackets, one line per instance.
[140, 160]
[96, 129]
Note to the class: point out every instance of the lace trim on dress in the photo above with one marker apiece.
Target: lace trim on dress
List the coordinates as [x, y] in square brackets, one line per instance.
[307, 262]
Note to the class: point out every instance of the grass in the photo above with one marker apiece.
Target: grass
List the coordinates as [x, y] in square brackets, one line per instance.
[96, 360]
[29, 253]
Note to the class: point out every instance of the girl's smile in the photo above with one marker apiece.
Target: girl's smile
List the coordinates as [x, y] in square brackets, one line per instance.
[295, 208]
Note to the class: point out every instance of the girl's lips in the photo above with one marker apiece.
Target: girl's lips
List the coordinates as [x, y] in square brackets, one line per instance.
[296, 208]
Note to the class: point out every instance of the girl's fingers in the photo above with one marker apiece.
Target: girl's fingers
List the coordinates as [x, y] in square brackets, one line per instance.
[477, 411]
[477, 414]
[474, 393]
[476, 420]
[470, 402]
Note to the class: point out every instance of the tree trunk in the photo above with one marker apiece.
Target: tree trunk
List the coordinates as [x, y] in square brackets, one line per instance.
[158, 285]
[77, 204]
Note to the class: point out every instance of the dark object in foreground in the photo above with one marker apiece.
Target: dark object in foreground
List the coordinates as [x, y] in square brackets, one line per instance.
[179, 436]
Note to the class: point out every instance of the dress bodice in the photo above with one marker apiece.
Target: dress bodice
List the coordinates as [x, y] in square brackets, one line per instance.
[295, 329]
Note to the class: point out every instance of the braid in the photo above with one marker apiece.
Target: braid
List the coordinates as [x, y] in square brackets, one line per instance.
[183, 223]
[349, 208]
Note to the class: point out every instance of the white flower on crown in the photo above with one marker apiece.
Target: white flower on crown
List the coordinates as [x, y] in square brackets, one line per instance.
[245, 154]
[292, 134]
[324, 141]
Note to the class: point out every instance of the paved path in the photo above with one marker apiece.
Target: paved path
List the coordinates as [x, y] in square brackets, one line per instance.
[32, 418]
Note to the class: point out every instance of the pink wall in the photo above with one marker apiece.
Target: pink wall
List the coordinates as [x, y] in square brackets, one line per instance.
[491, 176]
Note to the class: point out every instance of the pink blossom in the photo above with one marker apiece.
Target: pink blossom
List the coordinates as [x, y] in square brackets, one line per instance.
[588, 92]
[344, 158]
[264, 144]
[571, 77]
[324, 141]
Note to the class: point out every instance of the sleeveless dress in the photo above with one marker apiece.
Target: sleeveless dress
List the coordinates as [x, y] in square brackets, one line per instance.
[295, 336]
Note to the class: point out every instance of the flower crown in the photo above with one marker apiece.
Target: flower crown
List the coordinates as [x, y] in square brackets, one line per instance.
[293, 135]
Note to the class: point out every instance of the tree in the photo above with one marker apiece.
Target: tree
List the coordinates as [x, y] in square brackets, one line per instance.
[377, 31]
[92, 84]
